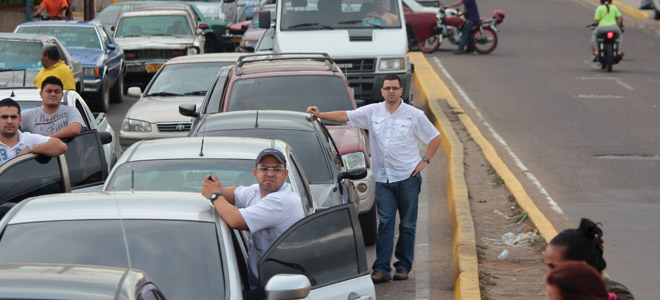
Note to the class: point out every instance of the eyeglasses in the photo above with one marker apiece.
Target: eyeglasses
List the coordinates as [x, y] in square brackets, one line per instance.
[276, 170]
[392, 88]
[5, 117]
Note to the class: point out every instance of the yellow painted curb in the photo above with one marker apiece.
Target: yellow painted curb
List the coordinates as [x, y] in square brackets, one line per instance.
[466, 268]
[635, 13]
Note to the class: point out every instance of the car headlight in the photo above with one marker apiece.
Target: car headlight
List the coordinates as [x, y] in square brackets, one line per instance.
[392, 64]
[90, 72]
[192, 51]
[354, 160]
[135, 125]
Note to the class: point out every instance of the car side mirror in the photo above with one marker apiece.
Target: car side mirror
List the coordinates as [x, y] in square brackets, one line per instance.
[134, 91]
[288, 286]
[264, 19]
[112, 47]
[354, 174]
[189, 110]
[106, 137]
[360, 102]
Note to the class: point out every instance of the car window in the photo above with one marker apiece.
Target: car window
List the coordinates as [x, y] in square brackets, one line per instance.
[156, 247]
[153, 26]
[304, 143]
[70, 36]
[110, 14]
[33, 177]
[182, 175]
[296, 172]
[20, 55]
[330, 14]
[212, 105]
[323, 246]
[333, 150]
[185, 79]
[328, 93]
[105, 37]
[85, 159]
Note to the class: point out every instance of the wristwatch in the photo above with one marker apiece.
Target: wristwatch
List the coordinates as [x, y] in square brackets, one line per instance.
[215, 196]
[31, 147]
[426, 159]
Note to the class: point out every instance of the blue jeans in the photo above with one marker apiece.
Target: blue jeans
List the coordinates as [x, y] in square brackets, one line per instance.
[401, 195]
[465, 35]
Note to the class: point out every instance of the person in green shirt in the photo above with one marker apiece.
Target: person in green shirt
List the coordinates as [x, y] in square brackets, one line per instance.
[609, 18]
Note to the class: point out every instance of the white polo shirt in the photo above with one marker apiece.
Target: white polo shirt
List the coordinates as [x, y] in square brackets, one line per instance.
[267, 218]
[24, 139]
[393, 138]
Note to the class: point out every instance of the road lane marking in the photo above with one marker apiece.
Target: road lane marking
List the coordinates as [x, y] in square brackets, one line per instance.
[501, 140]
[592, 96]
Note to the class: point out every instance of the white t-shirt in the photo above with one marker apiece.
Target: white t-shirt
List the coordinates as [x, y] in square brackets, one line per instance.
[24, 139]
[393, 138]
[35, 120]
[267, 218]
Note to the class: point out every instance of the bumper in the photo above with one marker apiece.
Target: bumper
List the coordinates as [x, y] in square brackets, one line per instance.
[91, 85]
[368, 197]
[366, 86]
[144, 66]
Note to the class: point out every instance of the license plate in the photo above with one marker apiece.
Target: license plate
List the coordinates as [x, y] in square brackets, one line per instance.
[153, 67]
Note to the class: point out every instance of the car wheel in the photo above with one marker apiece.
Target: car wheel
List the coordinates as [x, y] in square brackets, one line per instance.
[117, 92]
[101, 100]
[369, 225]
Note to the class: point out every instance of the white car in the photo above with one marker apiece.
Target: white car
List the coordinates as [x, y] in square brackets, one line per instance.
[187, 249]
[181, 80]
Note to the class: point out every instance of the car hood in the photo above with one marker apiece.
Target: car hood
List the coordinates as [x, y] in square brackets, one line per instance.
[348, 139]
[86, 56]
[324, 195]
[162, 109]
[150, 42]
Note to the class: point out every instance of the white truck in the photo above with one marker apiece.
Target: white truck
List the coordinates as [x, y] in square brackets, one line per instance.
[366, 38]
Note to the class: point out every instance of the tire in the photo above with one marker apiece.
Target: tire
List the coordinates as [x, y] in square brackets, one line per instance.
[430, 45]
[101, 100]
[609, 57]
[369, 225]
[117, 92]
[484, 41]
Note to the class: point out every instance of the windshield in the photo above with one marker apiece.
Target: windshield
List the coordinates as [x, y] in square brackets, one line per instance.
[109, 15]
[304, 143]
[182, 175]
[69, 36]
[20, 55]
[329, 93]
[153, 26]
[182, 257]
[330, 14]
[185, 79]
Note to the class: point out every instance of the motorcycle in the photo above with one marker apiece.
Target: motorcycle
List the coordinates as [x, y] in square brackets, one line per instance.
[449, 25]
[608, 48]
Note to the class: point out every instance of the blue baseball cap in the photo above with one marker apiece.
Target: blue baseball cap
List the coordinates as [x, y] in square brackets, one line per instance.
[270, 151]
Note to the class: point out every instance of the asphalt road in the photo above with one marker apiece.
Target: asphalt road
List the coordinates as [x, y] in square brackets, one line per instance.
[589, 137]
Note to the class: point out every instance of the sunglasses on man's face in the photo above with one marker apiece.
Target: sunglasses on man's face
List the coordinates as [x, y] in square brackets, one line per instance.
[392, 88]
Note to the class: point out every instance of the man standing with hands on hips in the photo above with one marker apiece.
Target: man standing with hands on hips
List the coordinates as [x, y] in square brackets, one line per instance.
[395, 129]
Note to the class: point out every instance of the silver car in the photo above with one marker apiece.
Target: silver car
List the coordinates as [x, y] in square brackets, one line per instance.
[181, 80]
[189, 251]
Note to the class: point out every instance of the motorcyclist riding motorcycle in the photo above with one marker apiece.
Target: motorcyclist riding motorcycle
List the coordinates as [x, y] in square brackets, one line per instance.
[57, 9]
[609, 18]
[472, 18]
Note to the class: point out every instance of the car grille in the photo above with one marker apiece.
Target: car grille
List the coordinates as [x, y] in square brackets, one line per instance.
[174, 126]
[356, 65]
[153, 54]
[363, 86]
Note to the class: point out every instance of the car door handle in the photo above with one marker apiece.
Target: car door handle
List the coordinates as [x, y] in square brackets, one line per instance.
[365, 297]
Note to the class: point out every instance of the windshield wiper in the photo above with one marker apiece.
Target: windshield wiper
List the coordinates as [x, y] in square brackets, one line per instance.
[351, 22]
[130, 35]
[310, 25]
[164, 94]
[195, 93]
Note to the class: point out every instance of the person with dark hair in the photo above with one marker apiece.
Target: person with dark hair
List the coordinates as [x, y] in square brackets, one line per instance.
[584, 243]
[53, 119]
[395, 130]
[53, 65]
[13, 142]
[609, 18]
[576, 280]
[471, 19]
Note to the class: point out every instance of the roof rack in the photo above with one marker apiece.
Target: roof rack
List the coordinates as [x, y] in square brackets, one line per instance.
[318, 56]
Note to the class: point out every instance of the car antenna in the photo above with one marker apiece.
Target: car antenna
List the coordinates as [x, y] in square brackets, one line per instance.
[256, 120]
[132, 180]
[201, 148]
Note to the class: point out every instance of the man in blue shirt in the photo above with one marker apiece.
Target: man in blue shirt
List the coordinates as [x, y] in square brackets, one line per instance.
[472, 18]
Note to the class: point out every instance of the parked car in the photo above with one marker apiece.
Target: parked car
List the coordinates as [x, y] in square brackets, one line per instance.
[182, 243]
[248, 8]
[23, 51]
[253, 32]
[47, 281]
[86, 162]
[151, 37]
[102, 61]
[183, 79]
[216, 36]
[266, 81]
[330, 181]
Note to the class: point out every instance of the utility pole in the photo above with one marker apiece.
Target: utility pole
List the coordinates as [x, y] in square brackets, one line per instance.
[28, 10]
[88, 9]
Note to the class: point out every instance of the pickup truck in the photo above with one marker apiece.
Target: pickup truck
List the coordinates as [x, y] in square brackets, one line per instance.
[86, 162]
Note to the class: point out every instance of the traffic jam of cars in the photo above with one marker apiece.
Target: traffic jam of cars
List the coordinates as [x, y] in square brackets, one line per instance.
[125, 204]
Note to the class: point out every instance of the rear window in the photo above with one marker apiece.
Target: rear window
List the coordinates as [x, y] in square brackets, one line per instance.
[20, 55]
[69, 36]
[185, 79]
[153, 26]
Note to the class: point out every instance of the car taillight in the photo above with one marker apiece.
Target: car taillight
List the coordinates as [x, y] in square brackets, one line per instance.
[610, 35]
